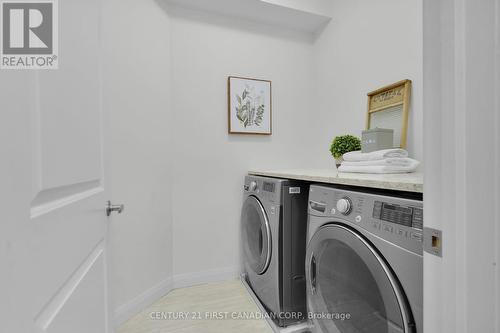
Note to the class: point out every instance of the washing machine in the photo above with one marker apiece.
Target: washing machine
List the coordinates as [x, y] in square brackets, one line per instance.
[364, 265]
[273, 231]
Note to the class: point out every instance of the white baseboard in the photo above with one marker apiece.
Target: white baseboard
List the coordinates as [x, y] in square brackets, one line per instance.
[131, 308]
[214, 275]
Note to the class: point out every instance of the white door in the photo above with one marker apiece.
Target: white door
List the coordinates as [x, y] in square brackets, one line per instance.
[462, 164]
[52, 190]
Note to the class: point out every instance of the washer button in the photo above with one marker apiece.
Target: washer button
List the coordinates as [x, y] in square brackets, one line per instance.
[358, 218]
[416, 236]
[333, 211]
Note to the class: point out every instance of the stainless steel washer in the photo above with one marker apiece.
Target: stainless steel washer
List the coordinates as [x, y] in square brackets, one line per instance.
[364, 265]
[273, 232]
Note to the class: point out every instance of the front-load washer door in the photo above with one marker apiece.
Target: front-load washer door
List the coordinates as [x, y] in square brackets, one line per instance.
[256, 233]
[350, 287]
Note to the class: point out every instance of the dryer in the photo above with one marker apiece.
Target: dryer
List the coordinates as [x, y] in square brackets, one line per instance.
[364, 265]
[273, 236]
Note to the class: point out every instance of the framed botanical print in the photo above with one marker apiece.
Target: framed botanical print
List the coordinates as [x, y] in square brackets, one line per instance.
[249, 106]
[388, 107]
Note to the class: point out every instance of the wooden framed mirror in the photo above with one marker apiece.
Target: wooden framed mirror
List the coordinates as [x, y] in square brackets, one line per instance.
[388, 107]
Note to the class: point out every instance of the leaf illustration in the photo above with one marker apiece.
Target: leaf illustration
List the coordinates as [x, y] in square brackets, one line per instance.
[239, 114]
[242, 113]
[245, 93]
[260, 109]
[259, 115]
[239, 98]
[258, 119]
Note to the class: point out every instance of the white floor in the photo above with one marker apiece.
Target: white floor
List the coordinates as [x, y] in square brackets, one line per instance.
[229, 300]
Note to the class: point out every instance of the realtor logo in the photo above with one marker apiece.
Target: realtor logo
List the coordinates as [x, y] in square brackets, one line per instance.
[29, 34]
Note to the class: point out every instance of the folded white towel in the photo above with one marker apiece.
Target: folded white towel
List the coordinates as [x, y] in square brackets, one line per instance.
[357, 156]
[382, 168]
[393, 161]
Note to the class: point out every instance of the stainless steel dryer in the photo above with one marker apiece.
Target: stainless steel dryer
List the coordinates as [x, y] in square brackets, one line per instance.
[273, 229]
[364, 264]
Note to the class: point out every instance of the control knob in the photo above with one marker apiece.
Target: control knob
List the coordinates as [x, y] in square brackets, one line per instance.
[344, 206]
[253, 186]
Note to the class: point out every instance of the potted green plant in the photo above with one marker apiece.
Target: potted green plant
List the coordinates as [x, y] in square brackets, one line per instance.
[344, 144]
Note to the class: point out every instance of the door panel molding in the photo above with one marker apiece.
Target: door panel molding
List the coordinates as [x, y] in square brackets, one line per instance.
[50, 311]
[49, 200]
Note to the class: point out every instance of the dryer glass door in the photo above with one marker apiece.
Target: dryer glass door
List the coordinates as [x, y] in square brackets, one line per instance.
[256, 235]
[351, 288]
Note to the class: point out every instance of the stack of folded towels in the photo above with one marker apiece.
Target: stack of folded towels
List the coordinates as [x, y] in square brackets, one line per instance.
[380, 161]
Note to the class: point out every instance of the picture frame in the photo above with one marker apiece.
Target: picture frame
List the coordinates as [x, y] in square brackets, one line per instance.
[389, 107]
[249, 106]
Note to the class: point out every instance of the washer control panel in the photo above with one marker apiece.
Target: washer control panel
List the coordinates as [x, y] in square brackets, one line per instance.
[396, 219]
[399, 214]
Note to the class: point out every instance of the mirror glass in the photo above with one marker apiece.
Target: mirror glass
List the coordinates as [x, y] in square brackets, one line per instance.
[390, 118]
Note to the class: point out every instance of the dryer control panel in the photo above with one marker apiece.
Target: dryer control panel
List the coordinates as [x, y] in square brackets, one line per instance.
[397, 219]
[265, 189]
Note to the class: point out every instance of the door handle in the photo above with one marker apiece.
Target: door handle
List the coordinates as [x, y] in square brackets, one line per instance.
[113, 208]
[313, 274]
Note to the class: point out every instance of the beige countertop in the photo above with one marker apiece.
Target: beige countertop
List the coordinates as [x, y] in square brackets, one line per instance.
[410, 182]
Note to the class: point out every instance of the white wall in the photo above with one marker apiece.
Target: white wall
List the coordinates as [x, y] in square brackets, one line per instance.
[368, 44]
[209, 164]
[137, 96]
